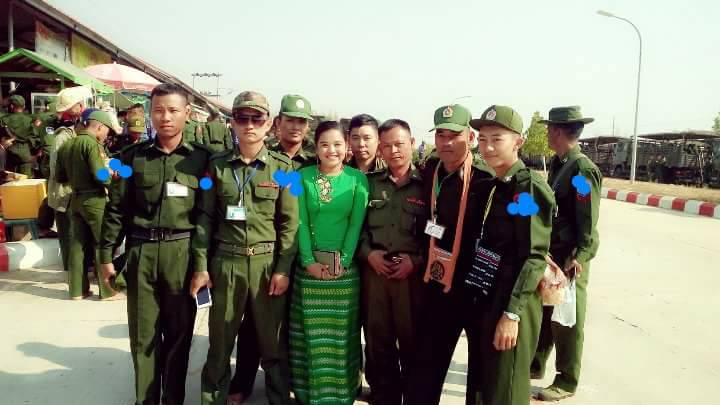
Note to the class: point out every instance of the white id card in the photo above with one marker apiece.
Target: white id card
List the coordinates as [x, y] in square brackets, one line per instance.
[176, 189]
[235, 213]
[434, 230]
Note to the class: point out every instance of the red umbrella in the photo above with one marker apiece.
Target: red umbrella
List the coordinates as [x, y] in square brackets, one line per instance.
[122, 77]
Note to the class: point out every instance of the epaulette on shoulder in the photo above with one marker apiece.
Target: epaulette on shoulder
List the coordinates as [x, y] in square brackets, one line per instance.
[280, 156]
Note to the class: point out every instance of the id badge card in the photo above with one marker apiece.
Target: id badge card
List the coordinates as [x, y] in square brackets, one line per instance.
[434, 230]
[235, 213]
[176, 189]
[484, 270]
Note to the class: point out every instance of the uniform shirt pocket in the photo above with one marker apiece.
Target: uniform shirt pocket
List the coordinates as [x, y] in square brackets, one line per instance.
[411, 218]
[265, 197]
[191, 182]
[149, 187]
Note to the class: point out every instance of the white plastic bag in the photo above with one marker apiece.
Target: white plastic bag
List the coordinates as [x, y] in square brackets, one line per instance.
[566, 313]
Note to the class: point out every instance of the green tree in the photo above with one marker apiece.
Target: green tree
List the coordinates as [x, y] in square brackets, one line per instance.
[536, 143]
[716, 124]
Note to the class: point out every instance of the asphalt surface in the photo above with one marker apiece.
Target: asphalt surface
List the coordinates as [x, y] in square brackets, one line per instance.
[651, 337]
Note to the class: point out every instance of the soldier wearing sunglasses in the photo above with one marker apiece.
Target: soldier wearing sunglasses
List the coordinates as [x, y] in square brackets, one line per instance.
[250, 223]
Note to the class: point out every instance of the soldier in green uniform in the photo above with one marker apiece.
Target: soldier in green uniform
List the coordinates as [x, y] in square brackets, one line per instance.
[575, 242]
[135, 129]
[392, 250]
[292, 126]
[20, 123]
[453, 180]
[69, 107]
[251, 222]
[510, 243]
[194, 132]
[81, 163]
[217, 133]
[157, 208]
[364, 144]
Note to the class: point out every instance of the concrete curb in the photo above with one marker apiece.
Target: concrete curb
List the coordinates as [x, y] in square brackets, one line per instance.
[692, 207]
[25, 255]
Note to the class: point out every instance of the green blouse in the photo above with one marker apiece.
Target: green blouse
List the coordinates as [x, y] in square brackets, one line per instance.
[334, 224]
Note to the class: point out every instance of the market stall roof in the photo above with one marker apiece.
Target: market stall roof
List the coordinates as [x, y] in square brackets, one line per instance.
[689, 135]
[40, 7]
[25, 64]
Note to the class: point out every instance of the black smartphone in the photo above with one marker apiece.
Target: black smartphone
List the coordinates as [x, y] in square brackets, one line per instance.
[203, 298]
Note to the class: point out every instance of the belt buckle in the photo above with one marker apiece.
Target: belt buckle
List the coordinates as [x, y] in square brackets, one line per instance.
[251, 251]
[153, 234]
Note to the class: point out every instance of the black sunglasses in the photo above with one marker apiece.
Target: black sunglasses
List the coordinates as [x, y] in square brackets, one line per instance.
[244, 119]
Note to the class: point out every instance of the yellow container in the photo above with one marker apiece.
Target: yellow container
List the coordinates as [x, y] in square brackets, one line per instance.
[21, 199]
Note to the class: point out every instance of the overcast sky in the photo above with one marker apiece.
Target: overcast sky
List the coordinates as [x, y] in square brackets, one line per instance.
[403, 59]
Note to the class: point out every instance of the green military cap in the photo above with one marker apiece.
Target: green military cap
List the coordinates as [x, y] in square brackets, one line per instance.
[501, 116]
[566, 115]
[107, 119]
[252, 99]
[136, 123]
[17, 100]
[293, 105]
[453, 117]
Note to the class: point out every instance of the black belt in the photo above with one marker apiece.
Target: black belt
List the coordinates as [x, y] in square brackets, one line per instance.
[237, 250]
[91, 191]
[159, 234]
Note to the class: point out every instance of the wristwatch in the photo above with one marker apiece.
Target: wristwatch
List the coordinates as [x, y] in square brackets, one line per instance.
[512, 317]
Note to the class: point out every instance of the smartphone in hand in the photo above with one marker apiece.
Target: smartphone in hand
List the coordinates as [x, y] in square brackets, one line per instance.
[203, 298]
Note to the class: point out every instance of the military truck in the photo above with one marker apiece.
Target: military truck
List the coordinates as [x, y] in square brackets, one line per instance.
[687, 157]
[613, 155]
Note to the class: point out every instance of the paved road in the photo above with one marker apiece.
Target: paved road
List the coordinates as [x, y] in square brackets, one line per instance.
[652, 333]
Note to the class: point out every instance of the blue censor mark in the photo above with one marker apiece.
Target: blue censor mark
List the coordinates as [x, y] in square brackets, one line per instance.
[525, 206]
[123, 170]
[206, 183]
[581, 184]
[289, 179]
[103, 174]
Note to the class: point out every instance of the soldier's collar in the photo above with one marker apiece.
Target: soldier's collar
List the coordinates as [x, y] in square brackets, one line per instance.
[261, 157]
[414, 173]
[570, 153]
[182, 146]
[516, 167]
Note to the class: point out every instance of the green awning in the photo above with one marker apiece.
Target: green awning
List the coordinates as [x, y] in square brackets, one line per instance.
[24, 64]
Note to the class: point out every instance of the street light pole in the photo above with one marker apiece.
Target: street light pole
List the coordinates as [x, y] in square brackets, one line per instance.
[637, 94]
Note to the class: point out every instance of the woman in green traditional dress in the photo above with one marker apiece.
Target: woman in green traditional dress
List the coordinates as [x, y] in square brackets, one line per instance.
[325, 351]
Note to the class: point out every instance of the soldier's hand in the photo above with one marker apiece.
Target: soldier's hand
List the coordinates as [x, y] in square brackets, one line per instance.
[506, 334]
[570, 264]
[200, 279]
[316, 270]
[108, 272]
[279, 284]
[404, 268]
[379, 264]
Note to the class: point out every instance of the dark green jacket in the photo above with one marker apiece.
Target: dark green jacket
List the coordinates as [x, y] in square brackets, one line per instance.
[141, 200]
[79, 162]
[217, 136]
[396, 217]
[575, 227]
[521, 241]
[272, 212]
[305, 156]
